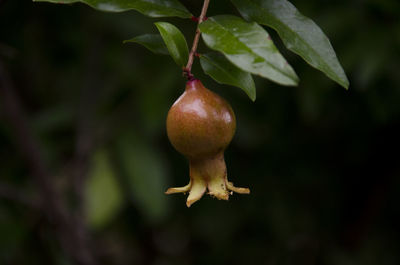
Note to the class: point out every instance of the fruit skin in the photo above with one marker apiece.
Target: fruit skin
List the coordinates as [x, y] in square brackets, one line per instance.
[200, 125]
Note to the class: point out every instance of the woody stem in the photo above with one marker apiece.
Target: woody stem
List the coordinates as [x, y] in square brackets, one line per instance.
[188, 69]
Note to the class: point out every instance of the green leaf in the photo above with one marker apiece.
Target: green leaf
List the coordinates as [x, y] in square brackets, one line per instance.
[151, 8]
[224, 72]
[153, 42]
[175, 41]
[145, 172]
[103, 195]
[248, 46]
[299, 34]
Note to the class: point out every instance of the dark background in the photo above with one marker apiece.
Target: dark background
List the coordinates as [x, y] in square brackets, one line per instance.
[322, 163]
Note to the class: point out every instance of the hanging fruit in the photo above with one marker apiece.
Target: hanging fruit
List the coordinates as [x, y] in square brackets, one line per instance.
[200, 125]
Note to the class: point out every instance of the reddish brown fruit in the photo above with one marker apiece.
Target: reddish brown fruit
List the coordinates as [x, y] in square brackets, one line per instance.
[200, 125]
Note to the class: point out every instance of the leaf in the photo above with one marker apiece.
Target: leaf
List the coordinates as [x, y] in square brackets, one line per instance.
[153, 42]
[145, 172]
[248, 46]
[103, 195]
[299, 34]
[151, 8]
[224, 72]
[175, 41]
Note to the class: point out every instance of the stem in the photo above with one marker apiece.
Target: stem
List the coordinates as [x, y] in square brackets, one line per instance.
[188, 69]
[51, 197]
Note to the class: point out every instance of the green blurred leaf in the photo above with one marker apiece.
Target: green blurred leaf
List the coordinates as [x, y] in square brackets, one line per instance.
[145, 171]
[153, 42]
[224, 72]
[249, 47]
[175, 41]
[299, 34]
[151, 8]
[103, 195]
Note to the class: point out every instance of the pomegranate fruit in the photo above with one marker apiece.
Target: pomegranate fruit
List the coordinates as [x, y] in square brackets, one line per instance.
[200, 125]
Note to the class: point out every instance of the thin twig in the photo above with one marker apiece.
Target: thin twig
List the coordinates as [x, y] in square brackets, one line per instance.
[51, 199]
[188, 69]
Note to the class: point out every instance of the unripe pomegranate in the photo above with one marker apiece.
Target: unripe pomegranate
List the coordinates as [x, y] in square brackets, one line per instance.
[200, 125]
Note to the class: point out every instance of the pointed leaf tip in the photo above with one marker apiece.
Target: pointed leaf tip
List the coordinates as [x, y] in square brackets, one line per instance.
[298, 33]
[153, 42]
[175, 42]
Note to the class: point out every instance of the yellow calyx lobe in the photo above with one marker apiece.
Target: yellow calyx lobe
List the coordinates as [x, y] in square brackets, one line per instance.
[200, 125]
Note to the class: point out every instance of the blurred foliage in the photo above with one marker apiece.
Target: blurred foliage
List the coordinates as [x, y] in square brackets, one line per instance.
[102, 193]
[146, 176]
[322, 163]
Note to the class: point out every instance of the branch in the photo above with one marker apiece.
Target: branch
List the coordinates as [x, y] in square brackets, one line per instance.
[51, 199]
[188, 69]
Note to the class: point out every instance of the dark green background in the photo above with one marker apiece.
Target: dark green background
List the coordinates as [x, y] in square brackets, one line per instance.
[322, 163]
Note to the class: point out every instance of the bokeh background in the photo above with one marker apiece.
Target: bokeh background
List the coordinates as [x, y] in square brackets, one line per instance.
[322, 163]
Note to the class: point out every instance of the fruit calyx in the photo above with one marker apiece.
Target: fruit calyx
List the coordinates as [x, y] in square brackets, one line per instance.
[200, 125]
